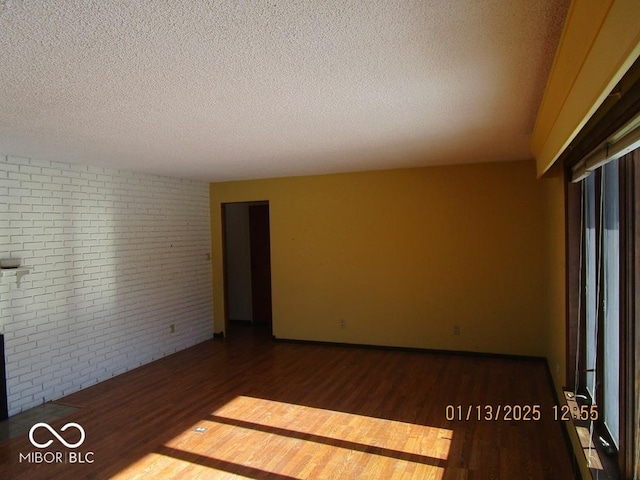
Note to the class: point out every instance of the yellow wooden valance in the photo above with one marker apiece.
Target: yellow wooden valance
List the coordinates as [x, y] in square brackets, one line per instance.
[600, 41]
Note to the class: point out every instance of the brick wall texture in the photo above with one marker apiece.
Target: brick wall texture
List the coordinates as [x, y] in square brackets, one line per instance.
[115, 259]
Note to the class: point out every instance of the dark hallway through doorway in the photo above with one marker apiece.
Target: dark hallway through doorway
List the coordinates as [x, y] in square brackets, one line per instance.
[247, 265]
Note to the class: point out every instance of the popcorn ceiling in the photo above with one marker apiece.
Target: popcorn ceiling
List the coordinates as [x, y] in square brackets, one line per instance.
[251, 89]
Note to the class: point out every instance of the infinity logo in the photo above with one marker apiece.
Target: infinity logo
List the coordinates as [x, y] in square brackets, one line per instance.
[55, 434]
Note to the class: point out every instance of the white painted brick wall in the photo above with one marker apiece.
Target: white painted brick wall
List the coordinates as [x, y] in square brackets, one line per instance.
[115, 258]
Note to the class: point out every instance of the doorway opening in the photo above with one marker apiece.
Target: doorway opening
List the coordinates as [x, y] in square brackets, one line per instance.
[247, 267]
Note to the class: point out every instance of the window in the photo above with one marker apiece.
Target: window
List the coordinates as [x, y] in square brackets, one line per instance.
[602, 166]
[610, 287]
[603, 281]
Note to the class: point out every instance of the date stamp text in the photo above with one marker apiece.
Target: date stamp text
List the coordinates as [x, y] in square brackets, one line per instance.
[519, 413]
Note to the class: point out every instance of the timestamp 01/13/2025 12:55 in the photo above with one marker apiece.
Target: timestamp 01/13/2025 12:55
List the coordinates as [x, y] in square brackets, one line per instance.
[517, 412]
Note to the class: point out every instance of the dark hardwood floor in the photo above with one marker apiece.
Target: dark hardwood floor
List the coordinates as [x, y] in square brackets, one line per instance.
[284, 410]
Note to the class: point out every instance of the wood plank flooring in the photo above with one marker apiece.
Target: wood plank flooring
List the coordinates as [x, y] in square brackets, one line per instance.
[282, 411]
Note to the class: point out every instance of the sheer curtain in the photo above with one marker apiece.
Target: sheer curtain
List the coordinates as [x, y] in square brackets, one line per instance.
[611, 297]
[590, 283]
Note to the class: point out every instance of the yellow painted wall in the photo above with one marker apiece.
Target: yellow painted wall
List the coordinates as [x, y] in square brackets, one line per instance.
[555, 286]
[404, 255]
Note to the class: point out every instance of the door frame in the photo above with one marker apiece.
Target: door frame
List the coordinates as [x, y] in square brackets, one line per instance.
[225, 282]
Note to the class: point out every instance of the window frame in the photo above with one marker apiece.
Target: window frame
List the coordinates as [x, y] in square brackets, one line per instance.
[620, 465]
[617, 110]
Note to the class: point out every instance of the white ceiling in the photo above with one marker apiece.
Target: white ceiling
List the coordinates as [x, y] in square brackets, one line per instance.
[224, 90]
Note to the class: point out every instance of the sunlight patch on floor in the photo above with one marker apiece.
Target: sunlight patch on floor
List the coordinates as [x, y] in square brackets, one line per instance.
[251, 437]
[151, 466]
[406, 437]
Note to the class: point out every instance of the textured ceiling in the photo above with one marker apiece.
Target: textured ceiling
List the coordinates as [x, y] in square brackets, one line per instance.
[250, 89]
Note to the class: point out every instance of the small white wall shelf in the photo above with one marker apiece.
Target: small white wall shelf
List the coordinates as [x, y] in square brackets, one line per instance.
[18, 273]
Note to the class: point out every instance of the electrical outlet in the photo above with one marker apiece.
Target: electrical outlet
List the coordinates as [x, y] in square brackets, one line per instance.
[456, 329]
[343, 323]
[172, 328]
